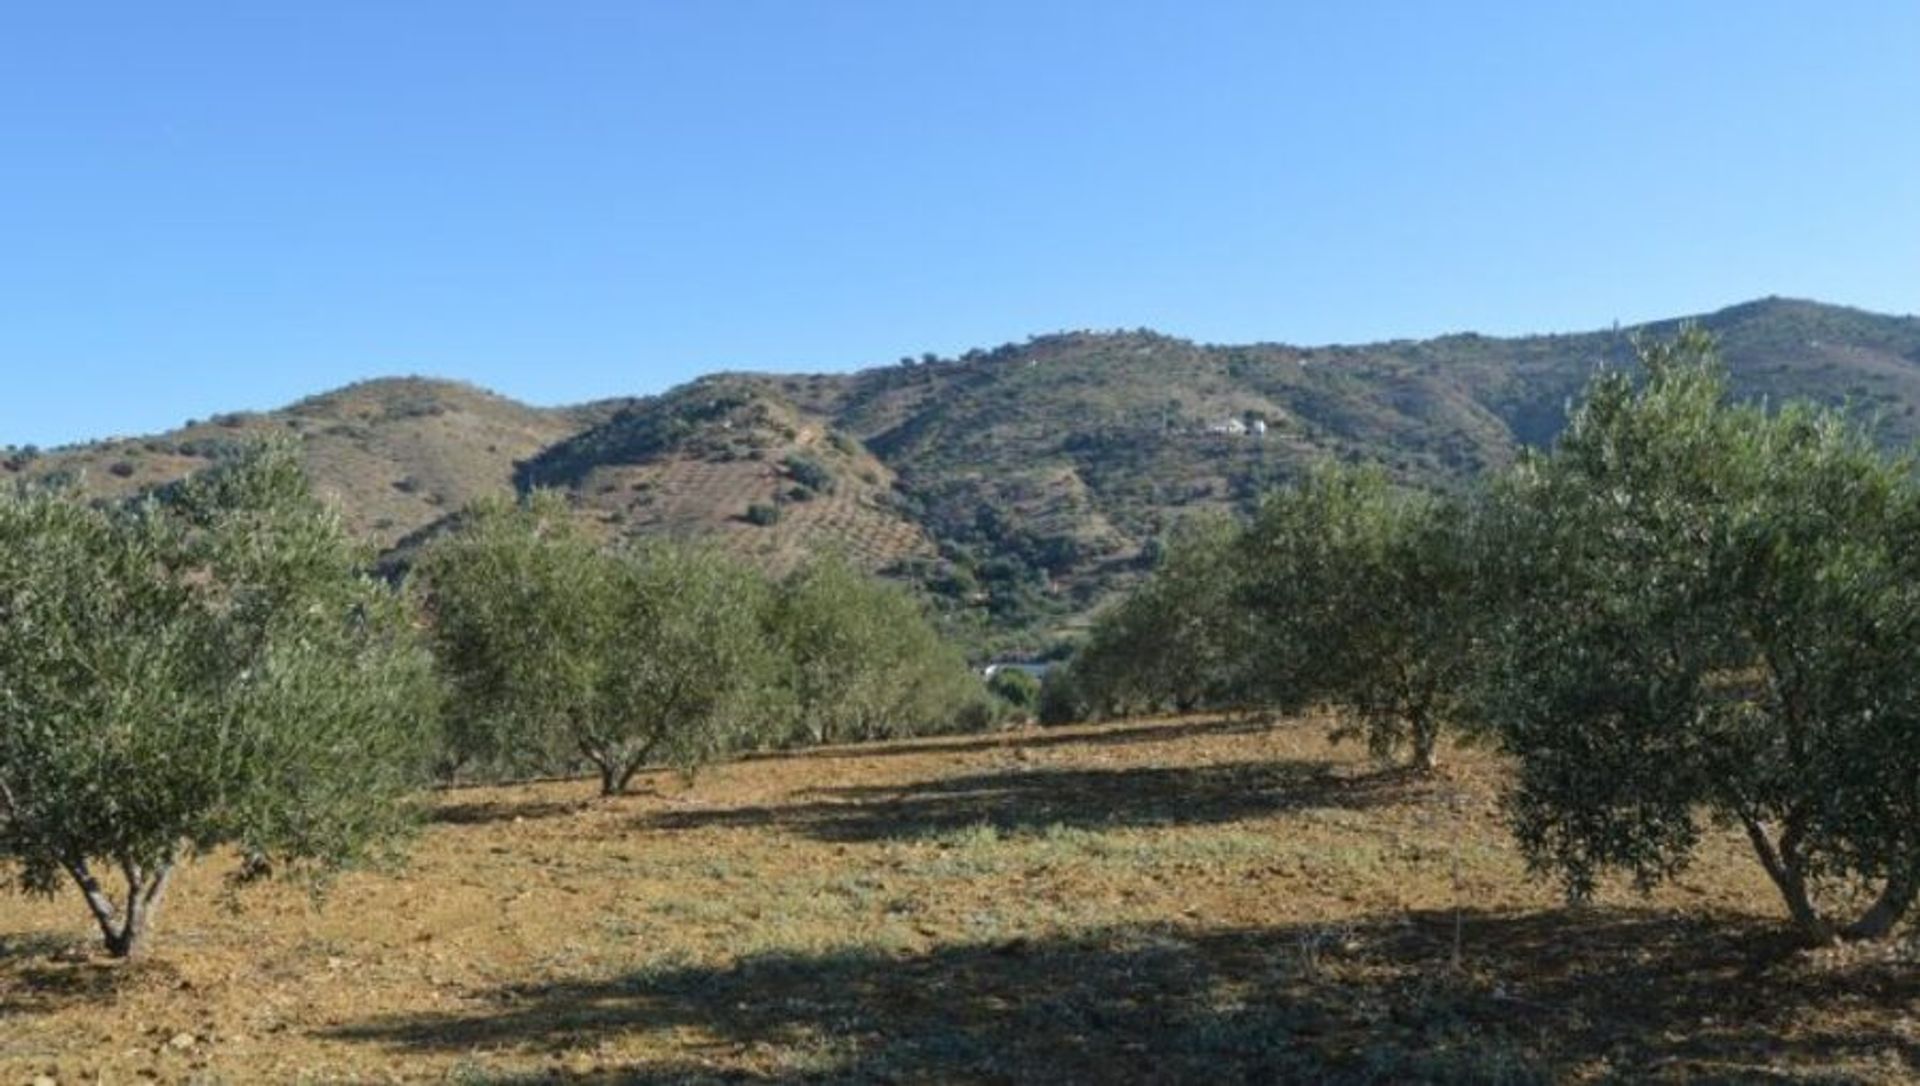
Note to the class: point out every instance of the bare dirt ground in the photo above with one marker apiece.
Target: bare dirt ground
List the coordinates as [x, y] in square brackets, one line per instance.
[1174, 901]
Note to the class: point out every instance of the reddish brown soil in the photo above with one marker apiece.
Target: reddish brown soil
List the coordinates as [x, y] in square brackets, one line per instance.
[1169, 901]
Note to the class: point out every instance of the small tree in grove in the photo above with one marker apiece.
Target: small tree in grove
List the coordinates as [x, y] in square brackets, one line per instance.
[523, 616]
[1363, 598]
[209, 666]
[859, 660]
[1707, 611]
[1180, 640]
[701, 675]
[557, 650]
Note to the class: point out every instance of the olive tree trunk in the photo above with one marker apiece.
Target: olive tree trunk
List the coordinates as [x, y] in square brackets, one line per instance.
[1424, 729]
[1785, 866]
[125, 926]
[1426, 753]
[617, 763]
[1878, 921]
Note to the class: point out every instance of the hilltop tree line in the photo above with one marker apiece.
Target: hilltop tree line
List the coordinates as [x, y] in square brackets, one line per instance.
[1687, 612]
[213, 665]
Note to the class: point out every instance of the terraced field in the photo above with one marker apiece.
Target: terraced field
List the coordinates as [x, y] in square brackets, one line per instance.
[708, 500]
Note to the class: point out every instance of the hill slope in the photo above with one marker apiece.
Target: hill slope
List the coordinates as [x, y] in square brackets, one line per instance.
[726, 460]
[395, 454]
[1020, 485]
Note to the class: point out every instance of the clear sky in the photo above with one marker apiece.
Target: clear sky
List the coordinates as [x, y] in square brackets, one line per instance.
[222, 206]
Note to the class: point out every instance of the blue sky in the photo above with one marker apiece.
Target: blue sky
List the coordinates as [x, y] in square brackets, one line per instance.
[207, 207]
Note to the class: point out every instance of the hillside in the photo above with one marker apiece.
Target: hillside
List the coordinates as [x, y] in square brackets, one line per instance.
[1018, 486]
[1153, 902]
[711, 459]
[396, 454]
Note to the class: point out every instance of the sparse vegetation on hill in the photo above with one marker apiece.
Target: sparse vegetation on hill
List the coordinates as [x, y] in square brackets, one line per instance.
[394, 455]
[1016, 487]
[725, 462]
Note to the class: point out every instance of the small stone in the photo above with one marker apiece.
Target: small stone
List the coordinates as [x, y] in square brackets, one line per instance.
[44, 1080]
[182, 1041]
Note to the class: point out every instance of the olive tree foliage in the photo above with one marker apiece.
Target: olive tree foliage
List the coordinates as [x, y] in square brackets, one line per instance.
[858, 659]
[1018, 688]
[1178, 642]
[523, 618]
[557, 651]
[204, 667]
[1707, 611]
[704, 676]
[1061, 699]
[1363, 599]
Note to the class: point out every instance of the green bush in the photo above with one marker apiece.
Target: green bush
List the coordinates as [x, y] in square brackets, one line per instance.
[1061, 700]
[1181, 640]
[809, 472]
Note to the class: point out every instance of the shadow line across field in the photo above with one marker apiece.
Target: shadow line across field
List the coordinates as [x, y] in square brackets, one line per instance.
[480, 812]
[1621, 994]
[1148, 731]
[1032, 798]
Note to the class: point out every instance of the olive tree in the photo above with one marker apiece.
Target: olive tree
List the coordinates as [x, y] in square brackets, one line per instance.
[858, 658]
[1710, 611]
[1178, 641]
[556, 650]
[699, 675]
[1062, 699]
[523, 615]
[206, 667]
[1363, 598]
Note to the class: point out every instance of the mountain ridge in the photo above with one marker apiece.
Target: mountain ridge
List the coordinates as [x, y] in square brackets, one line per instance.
[1017, 486]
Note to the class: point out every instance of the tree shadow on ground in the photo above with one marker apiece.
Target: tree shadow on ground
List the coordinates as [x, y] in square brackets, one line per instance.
[1153, 731]
[25, 946]
[40, 972]
[1631, 995]
[1018, 799]
[483, 812]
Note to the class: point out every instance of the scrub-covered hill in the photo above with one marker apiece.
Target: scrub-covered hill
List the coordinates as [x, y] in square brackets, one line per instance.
[1019, 486]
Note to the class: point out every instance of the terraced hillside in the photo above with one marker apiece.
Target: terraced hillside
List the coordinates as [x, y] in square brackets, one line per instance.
[1019, 486]
[723, 460]
[1046, 470]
